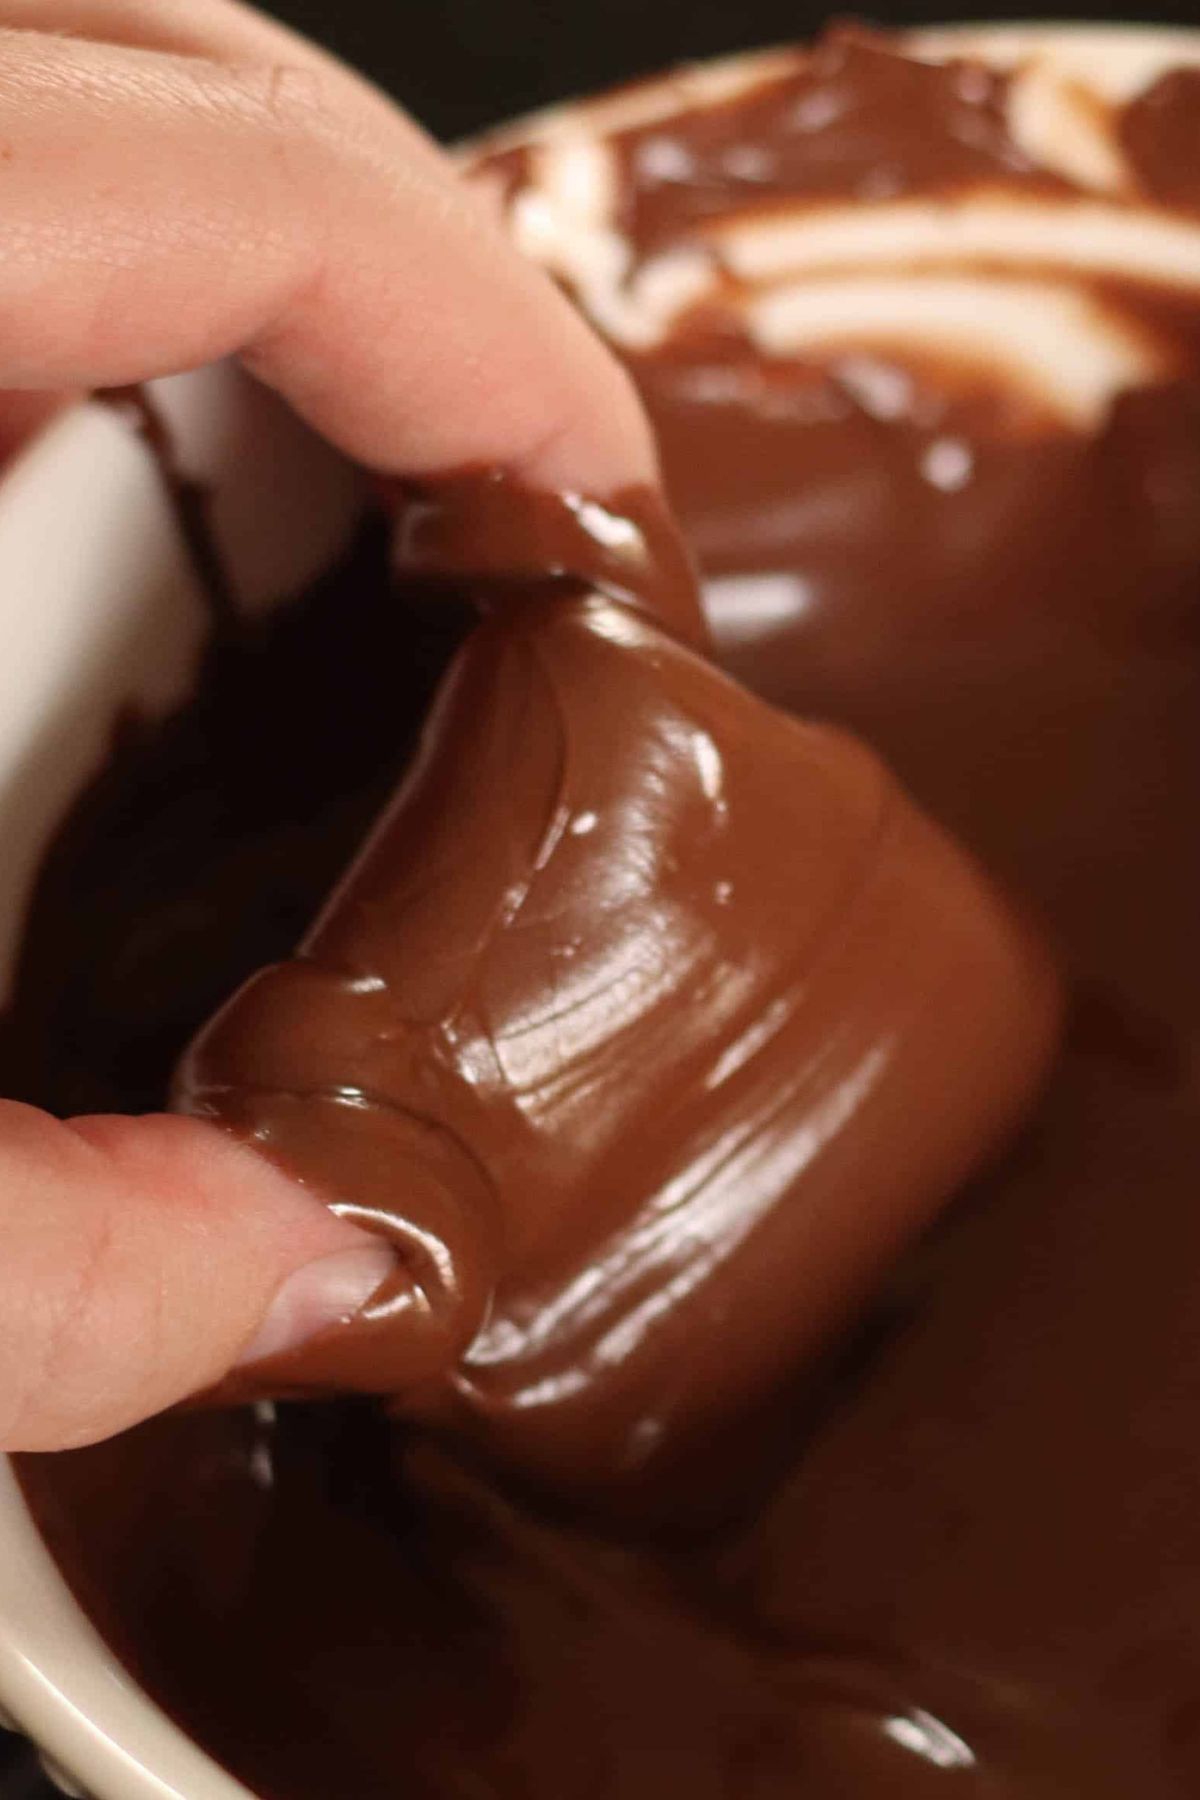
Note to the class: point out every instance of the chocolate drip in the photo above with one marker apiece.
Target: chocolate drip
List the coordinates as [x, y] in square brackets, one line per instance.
[189, 501]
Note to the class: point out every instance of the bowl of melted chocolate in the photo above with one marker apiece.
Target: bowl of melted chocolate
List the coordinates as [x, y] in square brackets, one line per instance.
[763, 1013]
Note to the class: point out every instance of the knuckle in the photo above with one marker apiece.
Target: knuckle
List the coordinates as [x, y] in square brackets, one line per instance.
[294, 97]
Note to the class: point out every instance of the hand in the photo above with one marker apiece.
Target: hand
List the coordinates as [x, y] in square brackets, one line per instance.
[183, 180]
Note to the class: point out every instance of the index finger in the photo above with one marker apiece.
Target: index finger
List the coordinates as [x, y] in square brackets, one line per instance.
[165, 209]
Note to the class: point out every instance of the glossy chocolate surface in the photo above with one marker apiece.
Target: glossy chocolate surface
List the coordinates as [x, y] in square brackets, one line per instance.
[481, 534]
[620, 1028]
[958, 1552]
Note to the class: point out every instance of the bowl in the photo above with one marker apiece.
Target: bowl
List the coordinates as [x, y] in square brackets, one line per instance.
[101, 608]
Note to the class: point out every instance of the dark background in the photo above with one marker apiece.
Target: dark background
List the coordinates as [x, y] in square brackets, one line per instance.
[462, 64]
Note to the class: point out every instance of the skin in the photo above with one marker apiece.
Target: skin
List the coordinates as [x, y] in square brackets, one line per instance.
[183, 180]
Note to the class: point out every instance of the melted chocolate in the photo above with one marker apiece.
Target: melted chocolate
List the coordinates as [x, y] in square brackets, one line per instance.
[1160, 134]
[855, 119]
[481, 534]
[844, 582]
[968, 1562]
[619, 1027]
[901, 543]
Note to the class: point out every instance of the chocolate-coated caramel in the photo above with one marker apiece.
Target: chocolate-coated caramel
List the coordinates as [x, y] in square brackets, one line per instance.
[959, 1554]
[620, 1027]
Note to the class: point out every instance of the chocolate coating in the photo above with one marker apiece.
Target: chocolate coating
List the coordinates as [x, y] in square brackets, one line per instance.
[480, 533]
[959, 1554]
[651, 984]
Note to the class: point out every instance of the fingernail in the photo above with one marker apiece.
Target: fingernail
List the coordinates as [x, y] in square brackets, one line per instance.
[317, 1297]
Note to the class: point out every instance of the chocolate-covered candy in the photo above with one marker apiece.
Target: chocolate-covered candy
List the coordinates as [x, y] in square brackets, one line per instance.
[649, 1024]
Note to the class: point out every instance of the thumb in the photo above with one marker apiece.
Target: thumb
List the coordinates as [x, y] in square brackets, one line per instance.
[141, 1259]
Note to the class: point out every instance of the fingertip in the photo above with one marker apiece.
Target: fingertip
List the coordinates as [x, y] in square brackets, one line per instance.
[594, 438]
[139, 1258]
